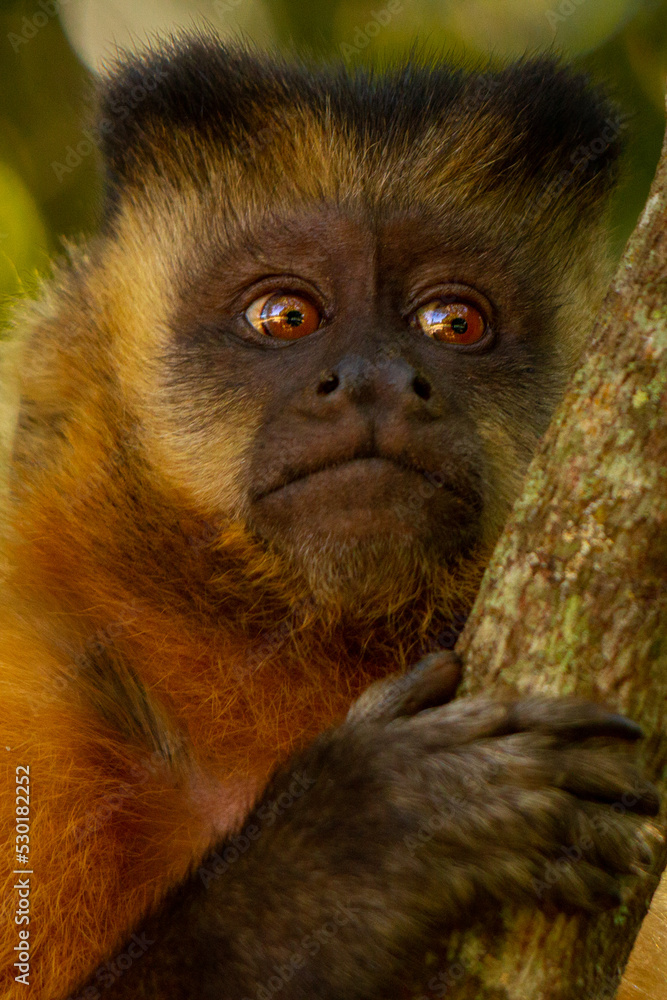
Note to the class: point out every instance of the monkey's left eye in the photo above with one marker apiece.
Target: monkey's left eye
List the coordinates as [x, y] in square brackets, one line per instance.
[284, 315]
[451, 322]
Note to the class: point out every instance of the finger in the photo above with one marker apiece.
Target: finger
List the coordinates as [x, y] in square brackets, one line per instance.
[578, 885]
[599, 774]
[571, 718]
[617, 842]
[432, 682]
[594, 771]
[476, 718]
[461, 722]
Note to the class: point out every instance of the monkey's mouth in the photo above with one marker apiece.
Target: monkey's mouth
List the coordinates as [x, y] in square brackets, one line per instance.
[365, 496]
[367, 463]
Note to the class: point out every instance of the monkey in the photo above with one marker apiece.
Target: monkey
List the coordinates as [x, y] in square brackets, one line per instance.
[271, 420]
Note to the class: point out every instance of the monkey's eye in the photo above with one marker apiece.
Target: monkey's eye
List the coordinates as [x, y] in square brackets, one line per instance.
[451, 322]
[284, 315]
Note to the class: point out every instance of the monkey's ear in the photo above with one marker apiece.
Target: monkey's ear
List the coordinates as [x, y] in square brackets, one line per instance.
[568, 135]
[157, 109]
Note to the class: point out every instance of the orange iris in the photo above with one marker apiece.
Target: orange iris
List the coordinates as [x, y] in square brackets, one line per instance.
[286, 316]
[451, 322]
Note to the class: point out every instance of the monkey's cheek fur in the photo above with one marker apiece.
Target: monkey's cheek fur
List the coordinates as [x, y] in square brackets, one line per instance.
[369, 498]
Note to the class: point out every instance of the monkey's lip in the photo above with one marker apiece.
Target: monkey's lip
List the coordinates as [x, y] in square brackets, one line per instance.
[367, 464]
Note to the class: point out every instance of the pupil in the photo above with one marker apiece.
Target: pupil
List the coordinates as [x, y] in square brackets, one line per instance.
[294, 317]
[459, 325]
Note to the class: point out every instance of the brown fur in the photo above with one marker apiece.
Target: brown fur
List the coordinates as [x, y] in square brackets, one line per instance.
[158, 659]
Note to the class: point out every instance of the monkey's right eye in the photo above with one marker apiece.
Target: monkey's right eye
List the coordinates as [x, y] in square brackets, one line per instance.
[451, 322]
[284, 315]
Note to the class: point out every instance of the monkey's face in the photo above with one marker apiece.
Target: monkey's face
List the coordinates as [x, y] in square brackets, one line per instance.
[346, 315]
[364, 392]
[372, 356]
[363, 451]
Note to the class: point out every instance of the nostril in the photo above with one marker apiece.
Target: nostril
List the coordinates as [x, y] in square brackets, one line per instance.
[421, 387]
[328, 384]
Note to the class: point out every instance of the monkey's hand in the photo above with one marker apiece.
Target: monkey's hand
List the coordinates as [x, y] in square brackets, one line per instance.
[406, 814]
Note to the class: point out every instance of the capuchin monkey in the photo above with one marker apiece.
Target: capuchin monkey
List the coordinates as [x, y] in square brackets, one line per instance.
[272, 419]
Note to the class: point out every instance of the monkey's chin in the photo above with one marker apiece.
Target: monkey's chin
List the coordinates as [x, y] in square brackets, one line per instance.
[369, 536]
[365, 575]
[369, 575]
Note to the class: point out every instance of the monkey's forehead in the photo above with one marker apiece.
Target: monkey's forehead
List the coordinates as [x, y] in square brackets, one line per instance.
[194, 110]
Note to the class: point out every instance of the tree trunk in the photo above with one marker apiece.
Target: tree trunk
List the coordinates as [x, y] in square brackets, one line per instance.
[575, 600]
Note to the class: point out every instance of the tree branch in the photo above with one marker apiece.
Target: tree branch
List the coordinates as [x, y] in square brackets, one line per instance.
[575, 600]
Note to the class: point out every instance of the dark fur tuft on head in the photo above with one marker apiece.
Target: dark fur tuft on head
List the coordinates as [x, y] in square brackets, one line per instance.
[196, 85]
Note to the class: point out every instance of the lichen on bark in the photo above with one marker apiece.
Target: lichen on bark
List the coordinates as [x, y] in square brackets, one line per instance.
[575, 600]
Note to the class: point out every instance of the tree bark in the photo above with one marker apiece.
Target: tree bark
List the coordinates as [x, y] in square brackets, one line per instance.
[575, 600]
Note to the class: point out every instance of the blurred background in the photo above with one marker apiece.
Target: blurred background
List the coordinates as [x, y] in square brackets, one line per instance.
[50, 51]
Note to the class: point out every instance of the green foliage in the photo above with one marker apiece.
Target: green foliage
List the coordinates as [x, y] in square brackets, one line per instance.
[23, 237]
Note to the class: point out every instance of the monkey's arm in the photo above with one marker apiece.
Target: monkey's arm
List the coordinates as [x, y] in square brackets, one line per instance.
[392, 821]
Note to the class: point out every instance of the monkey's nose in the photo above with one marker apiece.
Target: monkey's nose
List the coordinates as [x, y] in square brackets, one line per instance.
[362, 380]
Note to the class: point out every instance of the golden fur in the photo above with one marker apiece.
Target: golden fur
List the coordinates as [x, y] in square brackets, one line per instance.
[157, 660]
